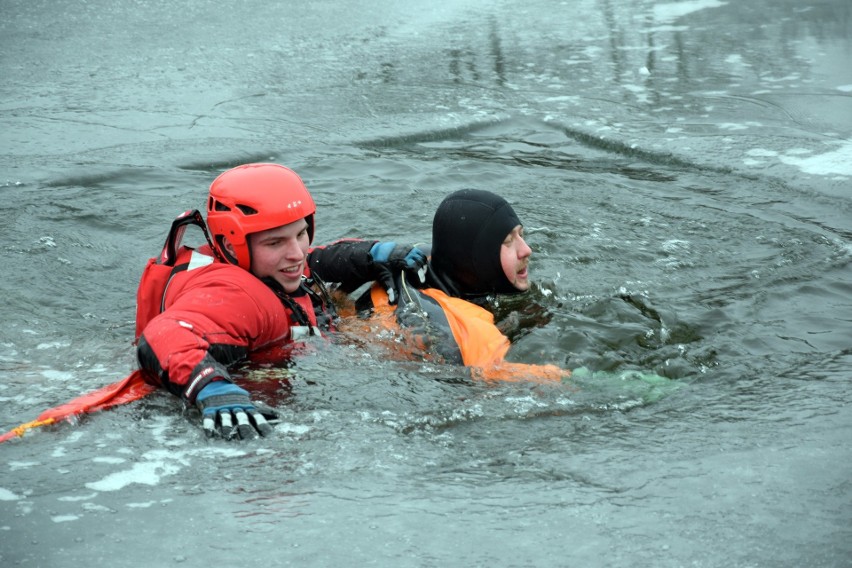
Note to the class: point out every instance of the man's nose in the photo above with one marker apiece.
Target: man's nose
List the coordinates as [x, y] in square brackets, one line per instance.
[293, 250]
[524, 249]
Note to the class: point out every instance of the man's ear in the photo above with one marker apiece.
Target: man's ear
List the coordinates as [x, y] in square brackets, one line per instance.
[229, 248]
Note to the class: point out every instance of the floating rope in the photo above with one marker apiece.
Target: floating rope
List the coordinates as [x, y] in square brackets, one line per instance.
[130, 388]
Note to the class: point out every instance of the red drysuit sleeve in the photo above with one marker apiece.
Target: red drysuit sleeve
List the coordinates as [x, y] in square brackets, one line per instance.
[214, 317]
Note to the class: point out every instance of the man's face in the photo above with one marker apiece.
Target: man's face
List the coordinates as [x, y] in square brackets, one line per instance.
[281, 253]
[515, 258]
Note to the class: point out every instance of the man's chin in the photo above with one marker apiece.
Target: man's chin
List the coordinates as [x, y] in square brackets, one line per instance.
[289, 286]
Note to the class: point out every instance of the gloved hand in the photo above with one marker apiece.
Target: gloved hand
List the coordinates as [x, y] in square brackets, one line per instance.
[223, 403]
[390, 257]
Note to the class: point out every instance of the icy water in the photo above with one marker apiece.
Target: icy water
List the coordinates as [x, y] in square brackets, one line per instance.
[683, 171]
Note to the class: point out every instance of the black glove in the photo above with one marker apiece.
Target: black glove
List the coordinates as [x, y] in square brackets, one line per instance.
[390, 257]
[227, 412]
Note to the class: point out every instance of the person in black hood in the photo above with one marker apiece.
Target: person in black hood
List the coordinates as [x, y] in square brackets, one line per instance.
[478, 251]
[478, 247]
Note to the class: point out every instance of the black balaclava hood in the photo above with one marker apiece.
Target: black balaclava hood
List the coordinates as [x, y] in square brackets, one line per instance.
[468, 229]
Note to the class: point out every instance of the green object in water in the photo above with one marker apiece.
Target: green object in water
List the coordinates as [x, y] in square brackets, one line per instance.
[638, 386]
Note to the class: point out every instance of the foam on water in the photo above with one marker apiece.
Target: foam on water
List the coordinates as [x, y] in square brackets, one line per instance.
[92, 507]
[837, 162]
[6, 495]
[109, 460]
[153, 466]
[157, 464]
[19, 465]
[834, 162]
[73, 498]
[737, 125]
[55, 375]
[298, 429]
[145, 505]
[671, 11]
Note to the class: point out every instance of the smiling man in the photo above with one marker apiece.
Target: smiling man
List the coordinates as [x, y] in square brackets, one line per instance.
[256, 286]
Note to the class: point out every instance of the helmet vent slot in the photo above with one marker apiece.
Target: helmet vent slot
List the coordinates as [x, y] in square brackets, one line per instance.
[219, 206]
[247, 210]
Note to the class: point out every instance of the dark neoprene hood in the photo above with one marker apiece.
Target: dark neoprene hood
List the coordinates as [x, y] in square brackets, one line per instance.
[469, 227]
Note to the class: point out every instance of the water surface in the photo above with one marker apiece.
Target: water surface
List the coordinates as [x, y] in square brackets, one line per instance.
[683, 172]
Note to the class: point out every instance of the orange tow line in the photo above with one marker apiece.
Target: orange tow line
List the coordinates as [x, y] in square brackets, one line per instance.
[132, 387]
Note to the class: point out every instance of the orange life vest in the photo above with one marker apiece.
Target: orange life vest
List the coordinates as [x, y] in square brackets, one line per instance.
[482, 346]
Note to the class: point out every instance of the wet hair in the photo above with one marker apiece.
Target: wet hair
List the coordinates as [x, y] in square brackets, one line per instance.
[468, 229]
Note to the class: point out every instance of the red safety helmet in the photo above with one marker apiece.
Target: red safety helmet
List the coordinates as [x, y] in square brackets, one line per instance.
[252, 198]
